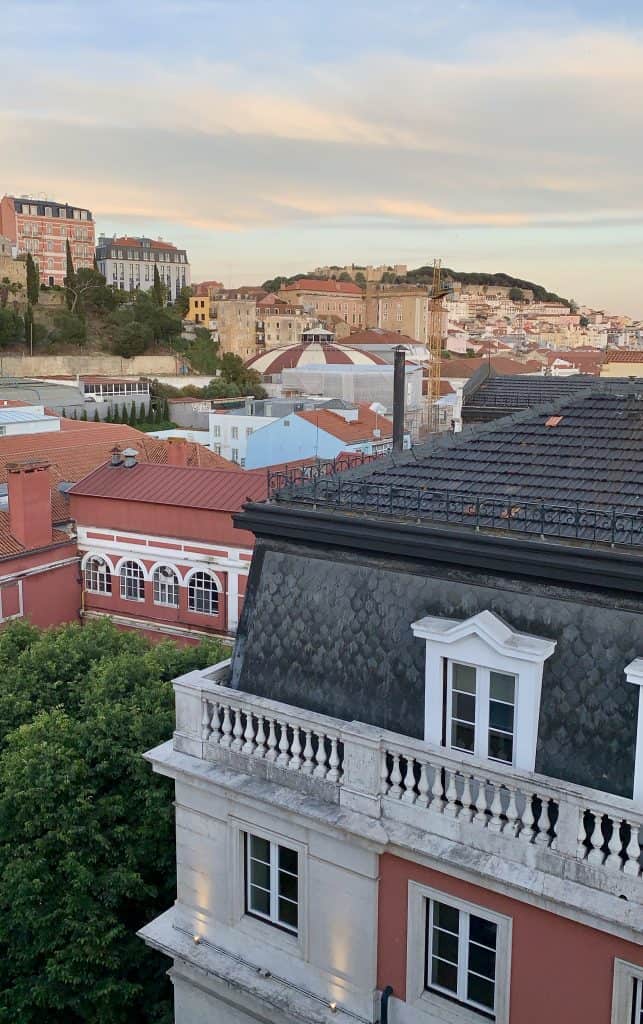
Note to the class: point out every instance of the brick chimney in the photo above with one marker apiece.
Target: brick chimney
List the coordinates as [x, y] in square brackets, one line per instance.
[177, 451]
[29, 492]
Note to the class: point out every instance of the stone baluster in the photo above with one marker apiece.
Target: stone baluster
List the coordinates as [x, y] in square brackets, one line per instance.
[215, 727]
[409, 796]
[496, 822]
[596, 840]
[480, 817]
[272, 742]
[451, 807]
[320, 757]
[237, 731]
[581, 843]
[396, 777]
[513, 821]
[333, 761]
[466, 811]
[226, 738]
[206, 728]
[260, 739]
[295, 762]
[528, 830]
[284, 746]
[384, 783]
[308, 765]
[423, 787]
[437, 791]
[542, 837]
[614, 845]
[633, 851]
[249, 735]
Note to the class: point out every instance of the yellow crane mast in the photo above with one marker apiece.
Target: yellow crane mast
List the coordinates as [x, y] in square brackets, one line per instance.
[434, 344]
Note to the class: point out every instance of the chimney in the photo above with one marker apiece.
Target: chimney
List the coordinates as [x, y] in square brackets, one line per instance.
[398, 398]
[129, 456]
[29, 491]
[177, 451]
[116, 459]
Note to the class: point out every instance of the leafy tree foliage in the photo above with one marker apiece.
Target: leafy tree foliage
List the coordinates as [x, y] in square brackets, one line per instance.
[33, 280]
[12, 328]
[70, 328]
[69, 278]
[516, 294]
[360, 279]
[86, 829]
[182, 304]
[88, 290]
[158, 291]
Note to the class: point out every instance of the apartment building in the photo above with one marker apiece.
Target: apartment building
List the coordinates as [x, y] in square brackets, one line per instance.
[43, 227]
[404, 310]
[415, 794]
[320, 297]
[12, 270]
[280, 323]
[128, 263]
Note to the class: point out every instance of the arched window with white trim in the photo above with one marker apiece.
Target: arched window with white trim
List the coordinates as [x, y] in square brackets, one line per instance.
[203, 594]
[98, 575]
[132, 582]
[166, 586]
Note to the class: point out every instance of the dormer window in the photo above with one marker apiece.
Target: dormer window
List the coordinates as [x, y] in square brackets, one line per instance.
[482, 688]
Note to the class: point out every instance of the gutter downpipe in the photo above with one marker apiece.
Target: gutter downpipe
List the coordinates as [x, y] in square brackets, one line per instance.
[386, 995]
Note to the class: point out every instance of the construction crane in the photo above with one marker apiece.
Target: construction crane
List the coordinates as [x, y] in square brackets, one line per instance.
[434, 344]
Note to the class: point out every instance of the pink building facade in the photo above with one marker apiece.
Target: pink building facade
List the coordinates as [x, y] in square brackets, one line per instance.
[43, 228]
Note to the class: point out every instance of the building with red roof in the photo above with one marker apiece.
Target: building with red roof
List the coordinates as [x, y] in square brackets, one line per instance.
[128, 262]
[343, 298]
[159, 551]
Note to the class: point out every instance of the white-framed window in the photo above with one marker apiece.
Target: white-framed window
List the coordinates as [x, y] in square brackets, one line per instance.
[627, 993]
[98, 576]
[272, 882]
[132, 581]
[481, 708]
[235, 454]
[203, 594]
[634, 674]
[458, 958]
[482, 687]
[166, 586]
[235, 433]
[216, 431]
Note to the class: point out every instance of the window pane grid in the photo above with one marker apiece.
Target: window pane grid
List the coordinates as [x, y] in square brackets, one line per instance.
[458, 965]
[272, 890]
[482, 706]
[166, 587]
[98, 577]
[132, 582]
[203, 595]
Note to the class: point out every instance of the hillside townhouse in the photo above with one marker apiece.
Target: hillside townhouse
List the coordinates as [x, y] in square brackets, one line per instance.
[400, 309]
[415, 794]
[43, 228]
[129, 263]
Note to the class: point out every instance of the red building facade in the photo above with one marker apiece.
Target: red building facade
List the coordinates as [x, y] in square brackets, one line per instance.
[159, 552]
[43, 228]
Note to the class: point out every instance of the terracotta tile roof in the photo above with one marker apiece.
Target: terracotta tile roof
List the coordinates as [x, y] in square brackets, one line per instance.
[460, 368]
[130, 240]
[347, 431]
[306, 284]
[221, 490]
[9, 546]
[624, 355]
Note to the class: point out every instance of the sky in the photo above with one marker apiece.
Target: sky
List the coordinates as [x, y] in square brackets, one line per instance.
[272, 136]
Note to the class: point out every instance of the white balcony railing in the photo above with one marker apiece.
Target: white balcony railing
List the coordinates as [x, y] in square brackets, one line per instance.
[521, 815]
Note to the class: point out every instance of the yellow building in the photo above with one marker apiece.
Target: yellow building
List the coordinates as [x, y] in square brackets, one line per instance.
[627, 362]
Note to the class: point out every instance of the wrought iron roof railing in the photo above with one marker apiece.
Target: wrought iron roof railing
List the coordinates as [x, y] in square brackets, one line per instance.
[570, 521]
[296, 476]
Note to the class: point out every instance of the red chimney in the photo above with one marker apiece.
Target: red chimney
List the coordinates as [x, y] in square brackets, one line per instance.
[29, 491]
[177, 451]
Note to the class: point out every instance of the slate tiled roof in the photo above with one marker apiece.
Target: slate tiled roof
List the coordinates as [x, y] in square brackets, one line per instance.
[510, 393]
[517, 473]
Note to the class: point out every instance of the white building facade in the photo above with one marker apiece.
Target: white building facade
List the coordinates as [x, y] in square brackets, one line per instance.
[229, 433]
[128, 263]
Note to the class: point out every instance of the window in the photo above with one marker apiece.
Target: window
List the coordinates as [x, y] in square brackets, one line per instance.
[203, 595]
[248, 431]
[216, 431]
[482, 687]
[461, 956]
[235, 433]
[627, 998]
[634, 674]
[235, 454]
[272, 882]
[166, 586]
[481, 712]
[132, 582]
[98, 578]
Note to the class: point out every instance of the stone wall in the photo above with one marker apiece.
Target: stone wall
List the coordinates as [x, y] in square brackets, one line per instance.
[111, 366]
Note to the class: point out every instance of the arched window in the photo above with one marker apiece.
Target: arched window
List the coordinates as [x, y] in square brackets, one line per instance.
[166, 586]
[203, 595]
[132, 582]
[98, 576]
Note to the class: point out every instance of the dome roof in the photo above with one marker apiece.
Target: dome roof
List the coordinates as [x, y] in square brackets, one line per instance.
[313, 354]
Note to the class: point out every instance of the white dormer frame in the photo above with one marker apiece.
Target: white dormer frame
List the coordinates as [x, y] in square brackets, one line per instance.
[634, 674]
[486, 642]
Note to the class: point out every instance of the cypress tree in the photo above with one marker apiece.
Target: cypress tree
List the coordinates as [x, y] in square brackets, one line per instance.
[96, 416]
[33, 280]
[69, 276]
[83, 414]
[157, 288]
[141, 413]
[132, 414]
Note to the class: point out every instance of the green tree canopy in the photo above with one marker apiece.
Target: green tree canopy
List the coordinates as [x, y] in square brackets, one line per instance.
[158, 291]
[69, 278]
[86, 829]
[33, 280]
[69, 328]
[516, 294]
[12, 328]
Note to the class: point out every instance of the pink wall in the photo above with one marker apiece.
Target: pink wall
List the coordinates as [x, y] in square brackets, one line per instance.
[49, 598]
[561, 971]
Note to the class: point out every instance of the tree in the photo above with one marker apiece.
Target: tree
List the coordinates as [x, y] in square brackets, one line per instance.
[158, 291]
[182, 304]
[29, 325]
[86, 829]
[360, 279]
[131, 339]
[83, 415]
[516, 294]
[12, 328]
[33, 280]
[70, 328]
[573, 306]
[88, 289]
[344, 276]
[142, 415]
[96, 416]
[69, 278]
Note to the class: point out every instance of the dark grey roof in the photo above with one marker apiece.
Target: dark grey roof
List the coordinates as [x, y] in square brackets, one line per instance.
[573, 469]
[499, 394]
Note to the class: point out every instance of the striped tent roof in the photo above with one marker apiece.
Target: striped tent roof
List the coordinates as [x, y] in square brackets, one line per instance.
[278, 359]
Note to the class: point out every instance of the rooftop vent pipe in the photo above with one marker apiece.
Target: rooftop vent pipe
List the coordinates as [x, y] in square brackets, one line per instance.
[116, 459]
[129, 454]
[398, 399]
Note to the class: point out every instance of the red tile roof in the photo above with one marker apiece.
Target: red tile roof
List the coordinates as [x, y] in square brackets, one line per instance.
[624, 355]
[452, 369]
[378, 336]
[307, 284]
[10, 547]
[130, 240]
[220, 490]
[351, 432]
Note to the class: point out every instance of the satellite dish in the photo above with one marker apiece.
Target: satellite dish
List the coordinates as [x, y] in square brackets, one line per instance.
[378, 408]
